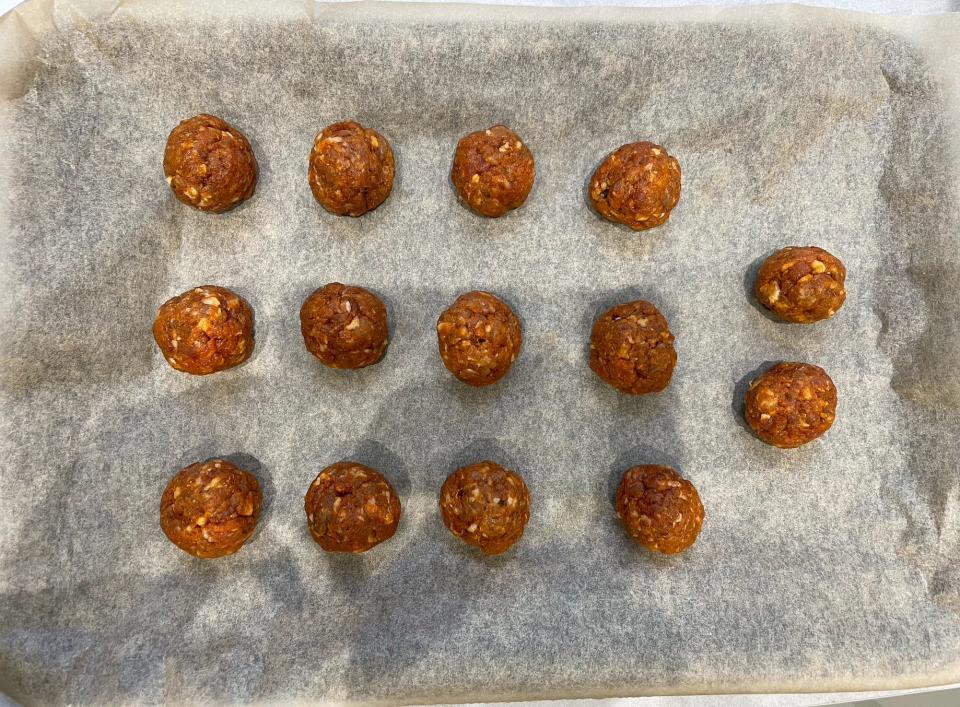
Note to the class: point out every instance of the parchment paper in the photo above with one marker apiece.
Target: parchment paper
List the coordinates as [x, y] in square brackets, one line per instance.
[825, 568]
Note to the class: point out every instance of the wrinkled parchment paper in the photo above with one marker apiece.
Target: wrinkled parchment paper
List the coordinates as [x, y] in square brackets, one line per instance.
[830, 567]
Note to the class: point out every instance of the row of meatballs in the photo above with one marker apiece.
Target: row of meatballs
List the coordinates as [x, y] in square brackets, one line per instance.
[210, 328]
[210, 165]
[211, 508]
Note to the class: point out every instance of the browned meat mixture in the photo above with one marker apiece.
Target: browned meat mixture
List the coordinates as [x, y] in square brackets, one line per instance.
[801, 285]
[493, 170]
[205, 330]
[210, 508]
[659, 508]
[479, 338]
[637, 185]
[791, 404]
[351, 508]
[631, 348]
[351, 169]
[344, 326]
[209, 164]
[486, 506]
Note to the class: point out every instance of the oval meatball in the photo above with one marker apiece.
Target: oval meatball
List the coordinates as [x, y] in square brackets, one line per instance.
[801, 285]
[791, 404]
[637, 185]
[479, 338]
[659, 508]
[493, 171]
[631, 348]
[486, 506]
[204, 330]
[351, 508]
[344, 326]
[210, 508]
[209, 164]
[351, 169]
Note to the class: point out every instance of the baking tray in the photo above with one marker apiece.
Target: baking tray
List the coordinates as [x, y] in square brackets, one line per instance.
[830, 567]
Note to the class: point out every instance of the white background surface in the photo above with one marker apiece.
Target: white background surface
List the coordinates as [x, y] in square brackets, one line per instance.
[784, 700]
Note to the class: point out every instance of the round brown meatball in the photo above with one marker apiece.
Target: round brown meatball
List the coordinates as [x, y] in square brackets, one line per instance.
[631, 348]
[210, 508]
[479, 338]
[350, 508]
[205, 330]
[209, 164]
[344, 326]
[791, 404]
[659, 508]
[801, 285]
[636, 185]
[492, 170]
[486, 506]
[351, 169]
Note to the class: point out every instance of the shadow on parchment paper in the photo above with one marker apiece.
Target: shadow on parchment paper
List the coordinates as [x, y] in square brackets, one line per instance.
[71, 333]
[441, 576]
[451, 583]
[117, 659]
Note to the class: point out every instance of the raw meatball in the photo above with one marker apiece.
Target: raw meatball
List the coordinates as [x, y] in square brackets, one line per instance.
[350, 508]
[479, 338]
[205, 330]
[631, 348]
[801, 285]
[492, 170]
[209, 164]
[351, 169]
[210, 508]
[344, 326]
[659, 508]
[486, 506]
[636, 185]
[791, 404]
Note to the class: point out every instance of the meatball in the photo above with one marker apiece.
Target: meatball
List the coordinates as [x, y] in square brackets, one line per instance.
[350, 508]
[801, 285]
[492, 170]
[636, 185]
[209, 164]
[344, 326]
[631, 348]
[791, 404]
[659, 508]
[479, 338]
[210, 508]
[351, 169]
[486, 506]
[205, 330]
